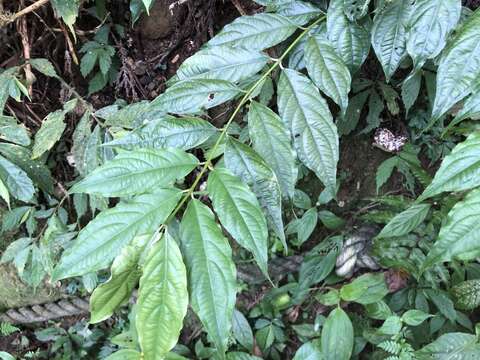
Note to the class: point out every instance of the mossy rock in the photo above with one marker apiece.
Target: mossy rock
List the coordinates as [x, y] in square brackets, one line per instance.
[14, 293]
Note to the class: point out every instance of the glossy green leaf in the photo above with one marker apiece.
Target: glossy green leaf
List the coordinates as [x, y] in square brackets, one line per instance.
[245, 163]
[328, 71]
[415, 317]
[125, 354]
[193, 96]
[351, 40]
[411, 90]
[458, 346]
[309, 351]
[470, 109]
[240, 214]
[242, 331]
[13, 132]
[389, 34]
[99, 242]
[460, 170]
[222, 63]
[459, 67]
[366, 289]
[430, 24]
[307, 115]
[162, 299]
[16, 180]
[271, 139]
[458, 237]
[299, 12]
[49, 133]
[136, 172]
[258, 31]
[36, 170]
[44, 66]
[67, 10]
[406, 221]
[337, 336]
[211, 272]
[117, 290]
[182, 133]
[4, 194]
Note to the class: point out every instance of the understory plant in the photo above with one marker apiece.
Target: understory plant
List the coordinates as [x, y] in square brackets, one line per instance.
[172, 204]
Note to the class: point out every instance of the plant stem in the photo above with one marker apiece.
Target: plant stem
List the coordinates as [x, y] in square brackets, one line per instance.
[242, 102]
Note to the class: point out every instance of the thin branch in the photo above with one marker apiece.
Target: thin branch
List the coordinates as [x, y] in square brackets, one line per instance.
[6, 19]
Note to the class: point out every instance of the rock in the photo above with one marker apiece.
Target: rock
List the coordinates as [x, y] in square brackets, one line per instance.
[14, 293]
[160, 22]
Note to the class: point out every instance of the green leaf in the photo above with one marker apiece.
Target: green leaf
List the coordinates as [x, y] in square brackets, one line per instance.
[162, 299]
[466, 294]
[458, 237]
[44, 66]
[259, 31]
[458, 346]
[470, 109]
[391, 326]
[124, 354]
[35, 169]
[299, 12]
[315, 269]
[309, 351]
[245, 163]
[356, 9]
[117, 290]
[330, 220]
[459, 67]
[415, 317]
[49, 133]
[304, 110]
[14, 248]
[97, 83]
[16, 181]
[183, 133]
[366, 289]
[148, 5]
[304, 226]
[242, 331]
[442, 301]
[99, 242]
[330, 298]
[6, 356]
[240, 214]
[4, 193]
[67, 10]
[346, 124]
[328, 71]
[192, 96]
[411, 90]
[406, 221]
[351, 40]
[337, 336]
[389, 34]
[87, 62]
[13, 132]
[136, 172]
[211, 272]
[460, 170]
[271, 139]
[430, 24]
[222, 63]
